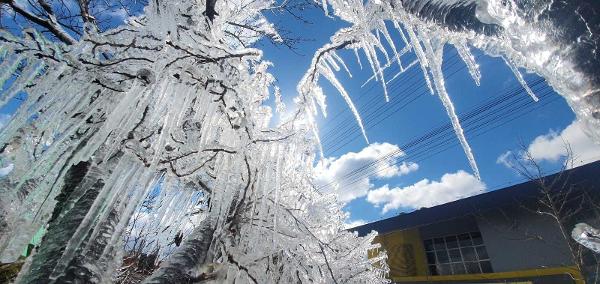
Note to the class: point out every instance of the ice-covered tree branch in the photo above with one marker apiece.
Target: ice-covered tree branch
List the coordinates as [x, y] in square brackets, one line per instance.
[50, 23]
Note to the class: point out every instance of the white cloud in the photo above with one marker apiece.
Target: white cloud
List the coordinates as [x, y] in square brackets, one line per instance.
[355, 223]
[426, 193]
[505, 159]
[551, 147]
[336, 173]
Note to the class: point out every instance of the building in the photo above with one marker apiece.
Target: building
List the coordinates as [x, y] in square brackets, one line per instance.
[511, 235]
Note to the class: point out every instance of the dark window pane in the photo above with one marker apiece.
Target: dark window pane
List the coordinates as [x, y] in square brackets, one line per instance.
[468, 254]
[444, 269]
[430, 257]
[476, 237]
[464, 240]
[428, 245]
[482, 253]
[451, 242]
[433, 270]
[442, 256]
[438, 243]
[472, 267]
[455, 255]
[458, 268]
[486, 267]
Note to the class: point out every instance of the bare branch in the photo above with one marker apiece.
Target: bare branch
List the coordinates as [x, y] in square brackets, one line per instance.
[51, 23]
[85, 13]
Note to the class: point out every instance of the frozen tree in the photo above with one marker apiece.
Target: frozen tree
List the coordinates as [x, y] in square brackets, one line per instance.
[173, 101]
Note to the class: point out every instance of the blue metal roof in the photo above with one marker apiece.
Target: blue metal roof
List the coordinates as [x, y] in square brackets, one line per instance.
[586, 176]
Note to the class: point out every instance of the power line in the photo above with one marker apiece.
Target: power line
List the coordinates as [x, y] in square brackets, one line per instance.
[506, 103]
[463, 117]
[450, 142]
[374, 101]
[355, 134]
[448, 137]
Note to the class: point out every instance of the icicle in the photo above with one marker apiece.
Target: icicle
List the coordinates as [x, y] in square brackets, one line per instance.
[402, 35]
[435, 59]
[392, 45]
[385, 91]
[315, 131]
[469, 60]
[415, 43]
[3, 52]
[383, 83]
[404, 70]
[279, 105]
[519, 77]
[377, 43]
[341, 61]
[587, 236]
[367, 50]
[28, 74]
[331, 62]
[277, 183]
[99, 204]
[134, 201]
[328, 73]
[10, 70]
[357, 57]
[380, 73]
[318, 96]
[199, 125]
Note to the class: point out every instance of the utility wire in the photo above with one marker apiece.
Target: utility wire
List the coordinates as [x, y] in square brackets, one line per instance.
[447, 137]
[504, 106]
[493, 101]
[353, 133]
[374, 101]
[447, 143]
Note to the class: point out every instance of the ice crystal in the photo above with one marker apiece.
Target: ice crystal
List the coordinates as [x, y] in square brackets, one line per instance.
[160, 129]
[526, 35]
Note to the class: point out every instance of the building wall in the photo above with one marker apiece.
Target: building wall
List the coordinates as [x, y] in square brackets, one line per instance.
[518, 239]
[522, 245]
[451, 227]
[516, 254]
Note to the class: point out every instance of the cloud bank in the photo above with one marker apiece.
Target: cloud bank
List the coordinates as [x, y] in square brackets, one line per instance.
[335, 174]
[550, 147]
[354, 223]
[427, 193]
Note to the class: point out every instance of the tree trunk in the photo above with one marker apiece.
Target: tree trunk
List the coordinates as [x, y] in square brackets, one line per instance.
[190, 256]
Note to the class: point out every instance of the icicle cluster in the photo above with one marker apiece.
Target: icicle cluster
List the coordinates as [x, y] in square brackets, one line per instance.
[169, 108]
[523, 34]
[587, 236]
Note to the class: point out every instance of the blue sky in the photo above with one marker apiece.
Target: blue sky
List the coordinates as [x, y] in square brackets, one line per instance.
[413, 112]
[435, 170]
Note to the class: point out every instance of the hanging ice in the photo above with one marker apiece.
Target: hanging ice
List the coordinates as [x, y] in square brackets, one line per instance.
[527, 35]
[154, 139]
[161, 125]
[587, 236]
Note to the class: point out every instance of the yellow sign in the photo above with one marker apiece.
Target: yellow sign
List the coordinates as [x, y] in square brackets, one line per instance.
[406, 255]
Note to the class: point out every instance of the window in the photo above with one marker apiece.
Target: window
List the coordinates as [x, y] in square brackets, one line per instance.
[459, 254]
